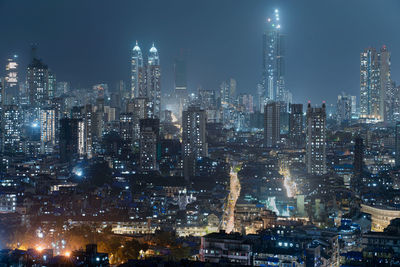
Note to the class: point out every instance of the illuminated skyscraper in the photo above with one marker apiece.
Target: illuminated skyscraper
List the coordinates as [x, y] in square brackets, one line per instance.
[272, 124]
[296, 125]
[149, 141]
[343, 108]
[273, 60]
[228, 91]
[11, 88]
[11, 129]
[194, 143]
[52, 85]
[386, 96]
[47, 129]
[374, 83]
[126, 127]
[316, 140]
[86, 115]
[38, 79]
[136, 66]
[146, 79]
[154, 82]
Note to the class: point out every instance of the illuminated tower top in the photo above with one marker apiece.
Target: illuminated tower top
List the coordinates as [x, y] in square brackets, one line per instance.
[137, 54]
[153, 56]
[274, 21]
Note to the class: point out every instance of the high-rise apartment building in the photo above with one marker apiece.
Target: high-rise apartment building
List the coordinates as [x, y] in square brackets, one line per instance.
[194, 143]
[272, 124]
[316, 140]
[296, 136]
[87, 116]
[228, 91]
[48, 120]
[11, 86]
[38, 79]
[72, 139]
[11, 129]
[343, 108]
[126, 127]
[52, 85]
[374, 82]
[246, 102]
[386, 82]
[140, 109]
[149, 143]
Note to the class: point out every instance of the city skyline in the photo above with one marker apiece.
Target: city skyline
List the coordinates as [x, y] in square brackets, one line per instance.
[105, 50]
[177, 133]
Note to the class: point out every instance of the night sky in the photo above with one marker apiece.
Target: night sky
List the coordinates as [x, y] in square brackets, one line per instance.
[88, 42]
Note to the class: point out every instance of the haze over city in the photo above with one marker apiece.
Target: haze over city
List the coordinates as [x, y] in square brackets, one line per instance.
[88, 42]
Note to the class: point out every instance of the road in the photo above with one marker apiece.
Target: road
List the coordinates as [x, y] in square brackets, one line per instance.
[228, 220]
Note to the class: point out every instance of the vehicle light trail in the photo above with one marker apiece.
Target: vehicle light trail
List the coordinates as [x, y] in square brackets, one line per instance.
[288, 183]
[228, 220]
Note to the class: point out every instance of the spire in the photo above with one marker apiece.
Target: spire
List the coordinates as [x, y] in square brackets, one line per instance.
[153, 49]
[136, 48]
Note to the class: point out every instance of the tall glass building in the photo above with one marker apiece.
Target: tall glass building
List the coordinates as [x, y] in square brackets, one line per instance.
[154, 81]
[11, 88]
[136, 65]
[374, 82]
[273, 60]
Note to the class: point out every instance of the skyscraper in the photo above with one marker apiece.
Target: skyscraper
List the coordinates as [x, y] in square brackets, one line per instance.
[273, 60]
[154, 81]
[86, 115]
[272, 124]
[72, 139]
[126, 127]
[374, 82]
[194, 143]
[52, 85]
[136, 66]
[47, 129]
[11, 88]
[343, 108]
[397, 144]
[316, 140]
[11, 129]
[224, 92]
[296, 125]
[149, 142]
[140, 109]
[38, 78]
[385, 80]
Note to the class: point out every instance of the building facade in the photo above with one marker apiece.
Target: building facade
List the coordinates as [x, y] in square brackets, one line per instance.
[316, 140]
[272, 124]
[194, 143]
